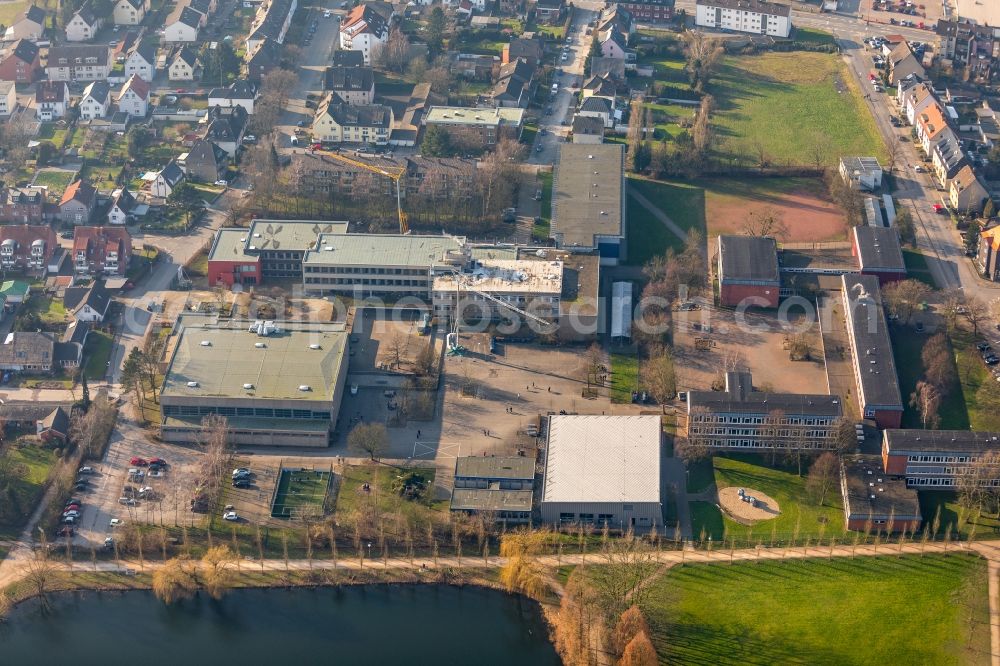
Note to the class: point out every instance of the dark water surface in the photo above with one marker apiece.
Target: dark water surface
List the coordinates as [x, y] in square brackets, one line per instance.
[400, 624]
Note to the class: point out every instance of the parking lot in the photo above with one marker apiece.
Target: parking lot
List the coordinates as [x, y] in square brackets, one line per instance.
[708, 341]
[166, 504]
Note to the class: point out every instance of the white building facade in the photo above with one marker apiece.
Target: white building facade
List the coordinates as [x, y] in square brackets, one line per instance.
[752, 16]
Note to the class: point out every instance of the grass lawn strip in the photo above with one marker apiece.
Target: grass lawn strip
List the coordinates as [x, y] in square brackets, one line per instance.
[624, 377]
[886, 610]
[96, 352]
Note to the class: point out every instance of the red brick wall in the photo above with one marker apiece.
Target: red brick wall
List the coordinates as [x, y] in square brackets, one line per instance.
[9, 70]
[224, 272]
[732, 294]
[894, 464]
[888, 419]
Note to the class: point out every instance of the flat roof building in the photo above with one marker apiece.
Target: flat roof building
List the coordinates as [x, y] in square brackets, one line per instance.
[862, 173]
[588, 200]
[278, 383]
[501, 486]
[873, 501]
[740, 418]
[879, 253]
[747, 267]
[603, 470]
[380, 265]
[875, 376]
[474, 126]
[935, 459]
[532, 286]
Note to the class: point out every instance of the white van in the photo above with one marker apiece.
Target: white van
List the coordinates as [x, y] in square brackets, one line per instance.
[555, 88]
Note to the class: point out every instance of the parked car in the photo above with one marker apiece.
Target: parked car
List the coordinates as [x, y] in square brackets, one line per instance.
[138, 462]
[71, 514]
[127, 501]
[241, 483]
[116, 522]
[230, 515]
[222, 183]
[240, 470]
[69, 520]
[85, 470]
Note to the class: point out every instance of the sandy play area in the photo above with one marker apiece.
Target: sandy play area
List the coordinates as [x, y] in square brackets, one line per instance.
[743, 512]
[801, 203]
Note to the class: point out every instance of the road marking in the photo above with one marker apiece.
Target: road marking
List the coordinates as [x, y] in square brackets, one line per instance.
[433, 450]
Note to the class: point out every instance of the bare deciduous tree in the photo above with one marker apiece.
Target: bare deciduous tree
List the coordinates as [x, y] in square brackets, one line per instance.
[823, 476]
[369, 438]
[926, 399]
[767, 222]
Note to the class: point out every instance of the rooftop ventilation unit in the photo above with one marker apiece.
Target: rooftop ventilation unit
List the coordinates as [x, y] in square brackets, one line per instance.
[206, 343]
[248, 387]
[192, 384]
[305, 387]
[314, 346]
[259, 345]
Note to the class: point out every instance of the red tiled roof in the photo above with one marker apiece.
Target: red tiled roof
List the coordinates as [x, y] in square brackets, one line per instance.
[80, 190]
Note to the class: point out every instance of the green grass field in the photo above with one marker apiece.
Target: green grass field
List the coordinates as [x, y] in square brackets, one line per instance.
[352, 499]
[51, 311]
[907, 346]
[97, 352]
[792, 104]
[10, 10]
[980, 392]
[683, 203]
[56, 181]
[916, 266]
[909, 610]
[24, 492]
[944, 506]
[298, 489]
[624, 377]
[798, 514]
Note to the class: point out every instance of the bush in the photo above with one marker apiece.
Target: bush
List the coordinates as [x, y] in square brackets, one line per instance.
[410, 485]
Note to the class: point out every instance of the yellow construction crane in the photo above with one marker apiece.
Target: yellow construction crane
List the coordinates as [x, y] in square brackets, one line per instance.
[395, 173]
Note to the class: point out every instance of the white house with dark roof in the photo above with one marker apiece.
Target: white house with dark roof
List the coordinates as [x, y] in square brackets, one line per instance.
[130, 12]
[163, 182]
[51, 100]
[757, 17]
[95, 101]
[184, 65]
[141, 61]
[363, 29]
[183, 25]
[241, 93]
[85, 23]
[598, 107]
[123, 207]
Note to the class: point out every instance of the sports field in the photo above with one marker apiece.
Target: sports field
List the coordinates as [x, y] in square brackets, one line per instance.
[885, 610]
[796, 106]
[298, 489]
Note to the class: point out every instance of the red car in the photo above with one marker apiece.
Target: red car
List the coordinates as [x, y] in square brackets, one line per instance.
[157, 461]
[317, 146]
[72, 507]
[939, 209]
[138, 462]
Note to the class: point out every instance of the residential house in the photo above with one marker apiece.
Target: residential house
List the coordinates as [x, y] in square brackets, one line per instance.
[971, 50]
[930, 127]
[599, 107]
[348, 58]
[903, 62]
[78, 202]
[225, 127]
[650, 11]
[54, 427]
[85, 23]
[182, 25]
[29, 24]
[947, 159]
[241, 93]
[471, 66]
[184, 65]
[613, 44]
[78, 62]
[988, 257]
[133, 98]
[476, 128]
[20, 62]
[353, 85]
[21, 204]
[95, 101]
[259, 61]
[88, 303]
[141, 61]
[916, 100]
[549, 11]
[588, 129]
[757, 17]
[8, 98]
[861, 173]
[206, 162]
[130, 12]
[614, 15]
[101, 250]
[27, 247]
[123, 207]
[519, 48]
[609, 68]
[363, 29]
[514, 86]
[51, 100]
[271, 21]
[966, 193]
[600, 86]
[166, 179]
[337, 122]
[27, 352]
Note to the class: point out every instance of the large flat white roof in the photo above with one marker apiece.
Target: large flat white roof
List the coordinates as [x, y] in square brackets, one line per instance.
[603, 459]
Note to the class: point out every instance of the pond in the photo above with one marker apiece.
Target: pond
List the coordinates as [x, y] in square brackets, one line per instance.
[397, 624]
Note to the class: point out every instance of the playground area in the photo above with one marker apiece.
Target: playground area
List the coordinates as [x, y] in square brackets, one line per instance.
[300, 490]
[745, 505]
